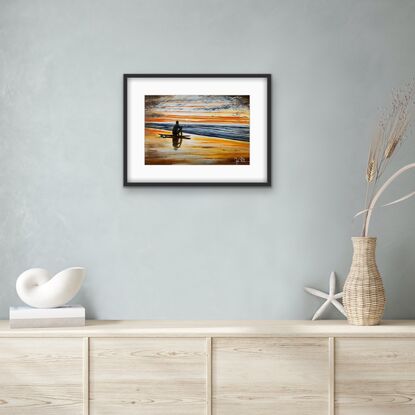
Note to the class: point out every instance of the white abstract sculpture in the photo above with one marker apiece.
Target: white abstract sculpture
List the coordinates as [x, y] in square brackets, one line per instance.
[331, 297]
[38, 289]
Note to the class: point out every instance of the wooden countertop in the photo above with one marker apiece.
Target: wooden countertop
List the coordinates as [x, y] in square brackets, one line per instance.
[218, 328]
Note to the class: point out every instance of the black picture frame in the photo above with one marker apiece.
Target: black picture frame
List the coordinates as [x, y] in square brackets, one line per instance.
[267, 182]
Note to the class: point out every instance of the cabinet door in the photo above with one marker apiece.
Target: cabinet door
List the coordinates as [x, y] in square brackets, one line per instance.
[270, 376]
[40, 376]
[375, 376]
[148, 376]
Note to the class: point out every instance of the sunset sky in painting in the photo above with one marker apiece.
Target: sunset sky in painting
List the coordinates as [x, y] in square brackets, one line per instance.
[204, 109]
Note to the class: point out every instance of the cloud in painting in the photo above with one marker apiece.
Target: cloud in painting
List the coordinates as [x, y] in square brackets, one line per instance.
[227, 109]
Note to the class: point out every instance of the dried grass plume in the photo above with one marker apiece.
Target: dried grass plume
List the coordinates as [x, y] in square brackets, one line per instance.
[390, 134]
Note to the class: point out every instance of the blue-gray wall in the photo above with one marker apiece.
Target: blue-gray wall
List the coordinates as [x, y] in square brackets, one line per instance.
[199, 253]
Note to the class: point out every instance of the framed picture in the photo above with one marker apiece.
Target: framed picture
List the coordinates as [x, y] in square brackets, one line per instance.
[197, 129]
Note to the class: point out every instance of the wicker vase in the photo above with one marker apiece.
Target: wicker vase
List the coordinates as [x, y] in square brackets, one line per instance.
[364, 295]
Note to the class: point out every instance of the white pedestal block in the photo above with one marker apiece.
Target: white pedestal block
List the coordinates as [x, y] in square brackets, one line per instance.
[66, 316]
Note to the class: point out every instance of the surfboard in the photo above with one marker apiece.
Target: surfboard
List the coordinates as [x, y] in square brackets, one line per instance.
[186, 137]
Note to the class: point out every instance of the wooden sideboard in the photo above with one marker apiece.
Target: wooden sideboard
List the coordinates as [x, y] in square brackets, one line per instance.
[209, 368]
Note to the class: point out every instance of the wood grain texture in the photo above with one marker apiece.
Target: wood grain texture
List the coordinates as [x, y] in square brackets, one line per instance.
[40, 376]
[375, 376]
[331, 386]
[265, 376]
[85, 375]
[218, 328]
[148, 376]
[365, 373]
[209, 376]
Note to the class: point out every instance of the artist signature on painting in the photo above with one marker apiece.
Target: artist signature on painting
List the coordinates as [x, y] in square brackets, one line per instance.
[240, 160]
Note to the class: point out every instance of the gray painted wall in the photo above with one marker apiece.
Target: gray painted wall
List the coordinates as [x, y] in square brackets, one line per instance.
[199, 253]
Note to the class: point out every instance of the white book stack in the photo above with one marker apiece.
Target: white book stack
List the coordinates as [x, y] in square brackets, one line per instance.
[65, 316]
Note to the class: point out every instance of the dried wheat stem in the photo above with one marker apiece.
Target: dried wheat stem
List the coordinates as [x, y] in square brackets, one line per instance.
[379, 193]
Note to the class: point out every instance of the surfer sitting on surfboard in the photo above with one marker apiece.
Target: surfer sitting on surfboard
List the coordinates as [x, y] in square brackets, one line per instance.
[177, 129]
[177, 136]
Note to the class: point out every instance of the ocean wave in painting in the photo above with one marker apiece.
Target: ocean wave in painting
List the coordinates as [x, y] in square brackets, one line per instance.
[230, 132]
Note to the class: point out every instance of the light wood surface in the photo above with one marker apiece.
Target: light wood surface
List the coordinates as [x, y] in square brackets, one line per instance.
[209, 368]
[41, 376]
[375, 376]
[209, 376]
[270, 376]
[219, 328]
[331, 378]
[85, 375]
[148, 376]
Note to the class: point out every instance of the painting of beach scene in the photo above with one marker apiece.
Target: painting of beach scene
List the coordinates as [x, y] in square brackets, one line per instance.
[197, 130]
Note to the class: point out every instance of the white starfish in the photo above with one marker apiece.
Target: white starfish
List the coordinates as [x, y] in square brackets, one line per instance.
[331, 297]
